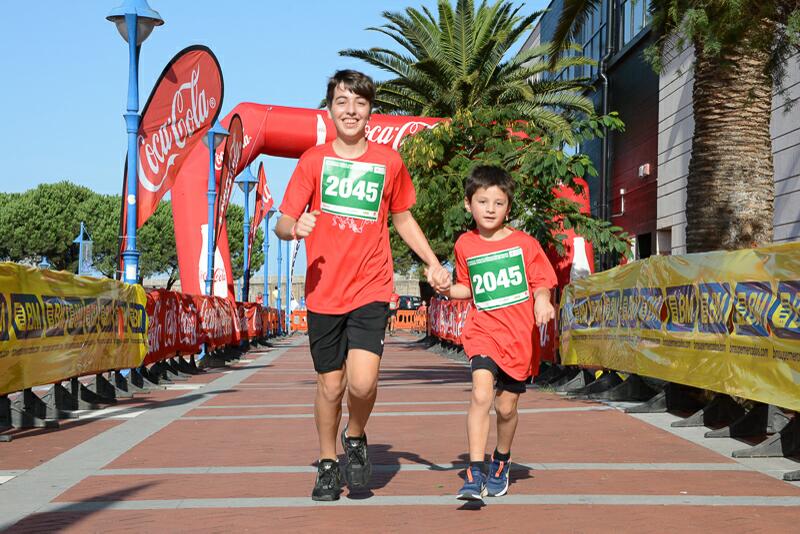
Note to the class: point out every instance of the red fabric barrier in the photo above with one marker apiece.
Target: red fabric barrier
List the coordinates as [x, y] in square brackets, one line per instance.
[251, 328]
[216, 320]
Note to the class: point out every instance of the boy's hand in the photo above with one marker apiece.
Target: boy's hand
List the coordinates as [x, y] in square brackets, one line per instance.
[543, 311]
[305, 224]
[438, 277]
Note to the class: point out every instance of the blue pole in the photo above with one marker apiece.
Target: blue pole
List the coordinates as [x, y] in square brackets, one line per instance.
[278, 286]
[288, 286]
[212, 197]
[81, 242]
[246, 281]
[266, 259]
[131, 255]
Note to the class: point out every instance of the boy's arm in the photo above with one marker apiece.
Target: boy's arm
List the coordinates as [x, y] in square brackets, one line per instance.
[411, 233]
[289, 228]
[543, 309]
[458, 291]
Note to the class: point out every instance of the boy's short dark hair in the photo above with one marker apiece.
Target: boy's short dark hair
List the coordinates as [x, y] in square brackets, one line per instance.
[357, 82]
[485, 176]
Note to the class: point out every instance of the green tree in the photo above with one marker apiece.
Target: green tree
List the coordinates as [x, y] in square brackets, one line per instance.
[741, 49]
[41, 222]
[439, 160]
[453, 61]
[157, 244]
[235, 221]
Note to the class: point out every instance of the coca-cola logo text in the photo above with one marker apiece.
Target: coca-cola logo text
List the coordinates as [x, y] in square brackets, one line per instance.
[190, 111]
[393, 135]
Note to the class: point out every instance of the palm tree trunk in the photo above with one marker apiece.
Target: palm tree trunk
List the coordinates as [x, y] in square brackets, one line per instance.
[730, 189]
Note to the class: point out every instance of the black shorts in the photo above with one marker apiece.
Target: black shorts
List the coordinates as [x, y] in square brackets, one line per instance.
[502, 381]
[331, 336]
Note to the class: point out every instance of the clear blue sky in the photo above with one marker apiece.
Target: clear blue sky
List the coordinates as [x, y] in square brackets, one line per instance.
[65, 74]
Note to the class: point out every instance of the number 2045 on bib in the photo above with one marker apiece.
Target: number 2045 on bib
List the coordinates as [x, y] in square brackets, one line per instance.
[352, 188]
[498, 279]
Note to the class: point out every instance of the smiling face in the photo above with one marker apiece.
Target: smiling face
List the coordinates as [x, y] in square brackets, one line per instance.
[349, 113]
[489, 207]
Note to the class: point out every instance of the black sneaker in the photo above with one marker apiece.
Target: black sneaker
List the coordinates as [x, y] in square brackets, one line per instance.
[329, 482]
[358, 468]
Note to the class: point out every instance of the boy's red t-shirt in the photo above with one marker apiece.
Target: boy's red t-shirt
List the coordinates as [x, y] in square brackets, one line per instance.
[348, 252]
[502, 325]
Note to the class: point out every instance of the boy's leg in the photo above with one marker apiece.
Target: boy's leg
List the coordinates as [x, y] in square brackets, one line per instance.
[362, 388]
[478, 415]
[366, 330]
[328, 410]
[505, 405]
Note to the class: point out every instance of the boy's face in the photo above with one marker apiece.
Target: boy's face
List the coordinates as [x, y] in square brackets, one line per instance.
[489, 207]
[349, 113]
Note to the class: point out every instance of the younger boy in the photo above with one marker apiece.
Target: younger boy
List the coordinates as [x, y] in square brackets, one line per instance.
[508, 277]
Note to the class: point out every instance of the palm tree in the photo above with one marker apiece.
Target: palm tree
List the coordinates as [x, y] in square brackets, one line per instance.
[741, 48]
[454, 62]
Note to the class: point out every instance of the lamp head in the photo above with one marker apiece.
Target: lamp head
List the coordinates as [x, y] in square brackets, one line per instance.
[246, 181]
[219, 132]
[146, 19]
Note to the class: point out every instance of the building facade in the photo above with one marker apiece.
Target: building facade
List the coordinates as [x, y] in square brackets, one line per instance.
[648, 163]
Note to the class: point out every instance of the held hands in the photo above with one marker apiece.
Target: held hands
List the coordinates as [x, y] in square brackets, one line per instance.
[543, 310]
[438, 278]
[305, 224]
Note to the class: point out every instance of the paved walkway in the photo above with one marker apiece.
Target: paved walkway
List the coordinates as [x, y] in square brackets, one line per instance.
[231, 451]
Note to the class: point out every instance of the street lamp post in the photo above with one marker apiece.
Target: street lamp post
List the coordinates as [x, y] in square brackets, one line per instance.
[278, 288]
[288, 285]
[84, 242]
[216, 134]
[135, 20]
[44, 264]
[270, 213]
[246, 183]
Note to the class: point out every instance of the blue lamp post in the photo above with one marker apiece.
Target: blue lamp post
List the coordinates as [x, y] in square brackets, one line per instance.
[135, 20]
[246, 183]
[216, 134]
[288, 285]
[278, 289]
[84, 242]
[270, 213]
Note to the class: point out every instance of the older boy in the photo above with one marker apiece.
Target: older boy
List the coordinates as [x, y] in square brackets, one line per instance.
[339, 199]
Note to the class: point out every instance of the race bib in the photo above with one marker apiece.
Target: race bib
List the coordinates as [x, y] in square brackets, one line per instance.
[352, 188]
[498, 279]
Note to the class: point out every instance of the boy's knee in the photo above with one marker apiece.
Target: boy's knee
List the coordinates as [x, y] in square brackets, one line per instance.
[331, 387]
[482, 398]
[506, 411]
[362, 389]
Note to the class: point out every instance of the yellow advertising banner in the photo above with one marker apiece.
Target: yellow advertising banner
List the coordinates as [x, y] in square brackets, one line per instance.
[56, 325]
[724, 321]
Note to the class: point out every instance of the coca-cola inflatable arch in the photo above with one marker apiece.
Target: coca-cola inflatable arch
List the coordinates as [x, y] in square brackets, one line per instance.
[270, 130]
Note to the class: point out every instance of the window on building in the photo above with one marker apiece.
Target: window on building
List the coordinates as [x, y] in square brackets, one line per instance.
[634, 15]
[592, 43]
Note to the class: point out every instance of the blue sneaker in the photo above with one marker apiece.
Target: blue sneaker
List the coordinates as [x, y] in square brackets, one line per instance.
[497, 483]
[474, 488]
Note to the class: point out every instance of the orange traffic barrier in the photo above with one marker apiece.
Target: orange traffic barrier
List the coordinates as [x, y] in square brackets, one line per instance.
[412, 320]
[299, 321]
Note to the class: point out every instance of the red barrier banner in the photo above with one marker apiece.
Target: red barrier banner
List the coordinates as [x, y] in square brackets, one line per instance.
[185, 102]
[172, 325]
[252, 324]
[216, 320]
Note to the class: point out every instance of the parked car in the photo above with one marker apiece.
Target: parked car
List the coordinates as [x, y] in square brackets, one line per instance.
[409, 302]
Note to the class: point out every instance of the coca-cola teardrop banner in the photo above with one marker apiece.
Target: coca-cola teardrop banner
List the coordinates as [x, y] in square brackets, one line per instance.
[230, 169]
[185, 102]
[264, 202]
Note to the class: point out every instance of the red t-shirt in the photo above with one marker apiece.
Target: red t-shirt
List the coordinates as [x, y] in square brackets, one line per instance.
[503, 276]
[348, 253]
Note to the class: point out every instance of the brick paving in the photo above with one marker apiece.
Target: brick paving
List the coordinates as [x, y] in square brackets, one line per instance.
[234, 451]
